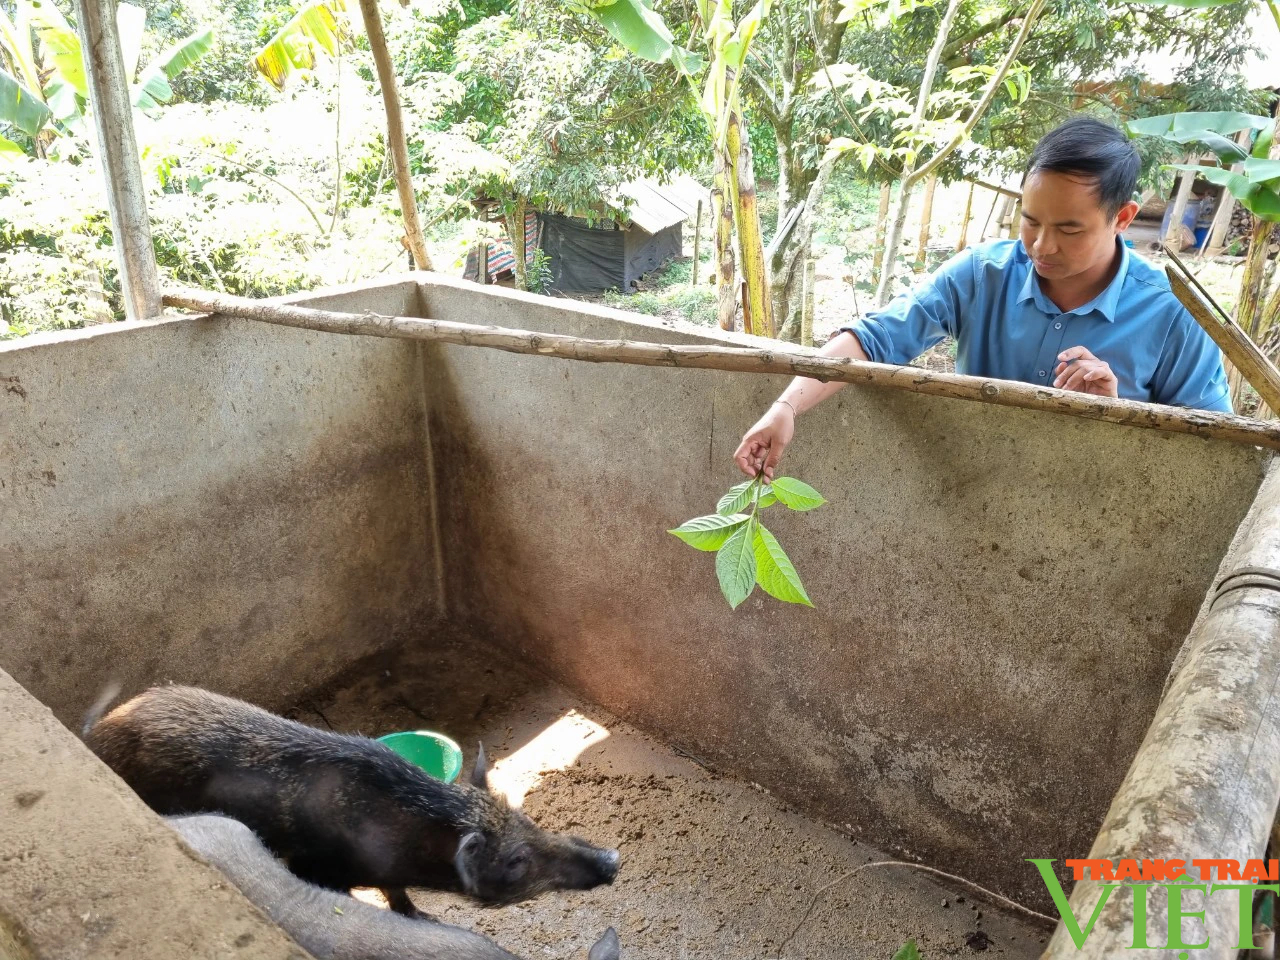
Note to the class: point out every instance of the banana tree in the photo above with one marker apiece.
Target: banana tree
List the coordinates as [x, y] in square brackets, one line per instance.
[1255, 185]
[641, 30]
[44, 93]
[322, 24]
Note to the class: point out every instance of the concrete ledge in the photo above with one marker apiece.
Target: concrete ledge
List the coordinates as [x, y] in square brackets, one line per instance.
[87, 871]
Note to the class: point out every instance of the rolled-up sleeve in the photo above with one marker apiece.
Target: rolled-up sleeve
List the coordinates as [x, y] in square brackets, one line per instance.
[918, 318]
[1190, 372]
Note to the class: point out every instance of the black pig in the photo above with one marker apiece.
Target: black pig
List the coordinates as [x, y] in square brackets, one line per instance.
[333, 926]
[341, 811]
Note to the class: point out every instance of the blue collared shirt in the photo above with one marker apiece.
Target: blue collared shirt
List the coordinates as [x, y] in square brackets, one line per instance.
[988, 299]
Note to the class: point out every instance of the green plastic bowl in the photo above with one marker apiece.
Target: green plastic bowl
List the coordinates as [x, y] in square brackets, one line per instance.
[433, 752]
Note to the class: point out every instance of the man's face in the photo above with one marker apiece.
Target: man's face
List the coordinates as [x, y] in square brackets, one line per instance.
[1064, 227]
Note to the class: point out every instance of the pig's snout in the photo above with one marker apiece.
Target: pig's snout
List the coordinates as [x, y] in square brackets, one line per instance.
[607, 862]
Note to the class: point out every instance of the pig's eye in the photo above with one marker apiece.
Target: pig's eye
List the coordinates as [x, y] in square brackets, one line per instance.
[517, 864]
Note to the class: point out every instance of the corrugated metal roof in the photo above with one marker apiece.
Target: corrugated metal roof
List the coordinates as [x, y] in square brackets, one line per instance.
[657, 206]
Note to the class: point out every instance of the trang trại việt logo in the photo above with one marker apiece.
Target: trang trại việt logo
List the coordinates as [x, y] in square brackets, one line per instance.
[1174, 876]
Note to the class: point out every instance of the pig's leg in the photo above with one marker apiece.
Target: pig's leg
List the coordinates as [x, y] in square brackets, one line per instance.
[398, 899]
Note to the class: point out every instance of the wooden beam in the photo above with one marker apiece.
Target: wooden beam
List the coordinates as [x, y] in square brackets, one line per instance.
[118, 157]
[1234, 343]
[1201, 423]
[1173, 233]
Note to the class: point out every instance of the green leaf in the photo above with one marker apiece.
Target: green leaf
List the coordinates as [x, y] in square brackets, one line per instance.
[774, 569]
[293, 46]
[738, 497]
[1261, 171]
[797, 494]
[639, 29]
[1189, 4]
[908, 951]
[20, 107]
[10, 152]
[710, 532]
[767, 500]
[1225, 122]
[736, 567]
[62, 46]
[15, 36]
[153, 87]
[1262, 146]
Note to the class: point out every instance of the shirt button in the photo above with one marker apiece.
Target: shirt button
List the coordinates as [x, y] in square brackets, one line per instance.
[1043, 374]
[1058, 325]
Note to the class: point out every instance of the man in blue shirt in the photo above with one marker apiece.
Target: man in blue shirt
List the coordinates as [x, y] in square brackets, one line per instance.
[1067, 305]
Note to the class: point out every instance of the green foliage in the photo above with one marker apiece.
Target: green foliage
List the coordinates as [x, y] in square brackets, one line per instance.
[540, 273]
[908, 951]
[1257, 185]
[747, 553]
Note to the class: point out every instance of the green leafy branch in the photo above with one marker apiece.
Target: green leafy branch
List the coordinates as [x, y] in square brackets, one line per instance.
[747, 553]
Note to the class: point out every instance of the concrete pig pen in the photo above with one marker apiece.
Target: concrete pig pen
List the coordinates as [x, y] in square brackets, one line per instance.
[381, 535]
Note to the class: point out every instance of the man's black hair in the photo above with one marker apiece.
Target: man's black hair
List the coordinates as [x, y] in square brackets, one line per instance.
[1089, 148]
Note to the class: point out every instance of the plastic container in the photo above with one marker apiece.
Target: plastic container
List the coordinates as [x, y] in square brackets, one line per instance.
[433, 752]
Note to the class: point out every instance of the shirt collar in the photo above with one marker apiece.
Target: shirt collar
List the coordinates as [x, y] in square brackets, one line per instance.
[1106, 303]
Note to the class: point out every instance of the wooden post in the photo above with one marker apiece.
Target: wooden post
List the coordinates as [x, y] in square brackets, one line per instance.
[926, 216]
[484, 263]
[807, 303]
[964, 224]
[118, 153]
[1234, 343]
[697, 238]
[1015, 219]
[990, 213]
[1217, 238]
[1205, 782]
[1173, 233]
[395, 131]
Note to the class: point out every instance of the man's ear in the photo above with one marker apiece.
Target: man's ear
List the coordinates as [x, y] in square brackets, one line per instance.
[1125, 215]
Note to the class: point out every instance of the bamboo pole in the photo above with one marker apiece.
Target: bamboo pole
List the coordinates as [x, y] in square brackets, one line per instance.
[118, 151]
[1205, 782]
[882, 221]
[926, 218]
[697, 238]
[964, 224]
[807, 302]
[1235, 344]
[395, 132]
[1009, 393]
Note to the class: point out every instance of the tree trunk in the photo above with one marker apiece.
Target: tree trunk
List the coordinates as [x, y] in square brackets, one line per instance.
[747, 220]
[515, 233]
[1249, 305]
[787, 278]
[722, 213]
[899, 220]
[964, 224]
[926, 218]
[882, 223]
[395, 133]
[808, 302]
[910, 174]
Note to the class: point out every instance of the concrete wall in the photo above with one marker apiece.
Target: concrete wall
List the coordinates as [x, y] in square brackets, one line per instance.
[86, 871]
[228, 503]
[999, 593]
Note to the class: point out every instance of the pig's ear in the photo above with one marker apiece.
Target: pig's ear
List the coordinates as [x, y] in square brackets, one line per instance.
[607, 947]
[480, 772]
